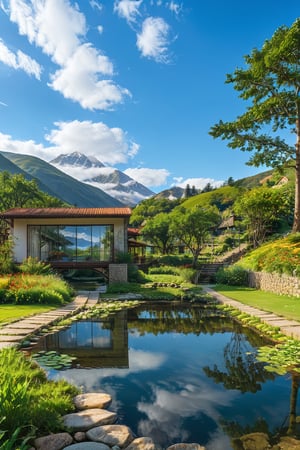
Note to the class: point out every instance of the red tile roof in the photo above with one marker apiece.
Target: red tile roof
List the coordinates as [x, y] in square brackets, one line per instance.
[65, 212]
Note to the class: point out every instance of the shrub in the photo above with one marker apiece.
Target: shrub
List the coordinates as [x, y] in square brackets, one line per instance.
[168, 270]
[27, 398]
[35, 267]
[232, 275]
[41, 289]
[6, 252]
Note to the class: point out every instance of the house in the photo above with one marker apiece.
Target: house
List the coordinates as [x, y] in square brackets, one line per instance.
[69, 237]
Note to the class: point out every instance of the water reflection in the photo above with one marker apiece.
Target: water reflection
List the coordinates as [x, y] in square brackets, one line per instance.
[177, 374]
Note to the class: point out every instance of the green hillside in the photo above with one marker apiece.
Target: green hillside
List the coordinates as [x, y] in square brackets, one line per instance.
[57, 183]
[223, 198]
[9, 166]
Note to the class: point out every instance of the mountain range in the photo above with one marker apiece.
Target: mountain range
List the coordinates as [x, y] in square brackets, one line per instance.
[110, 180]
[101, 186]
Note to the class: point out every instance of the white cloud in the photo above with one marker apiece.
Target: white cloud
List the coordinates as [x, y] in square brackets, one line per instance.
[100, 29]
[128, 9]
[58, 28]
[3, 104]
[148, 177]
[96, 5]
[109, 145]
[78, 80]
[7, 144]
[153, 41]
[199, 183]
[176, 8]
[19, 61]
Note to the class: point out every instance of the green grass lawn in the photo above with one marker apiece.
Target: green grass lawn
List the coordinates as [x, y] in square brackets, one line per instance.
[10, 313]
[282, 305]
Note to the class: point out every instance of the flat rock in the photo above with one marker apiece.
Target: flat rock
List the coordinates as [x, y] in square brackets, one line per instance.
[142, 443]
[89, 418]
[183, 446]
[87, 446]
[119, 435]
[288, 443]
[92, 400]
[253, 441]
[56, 441]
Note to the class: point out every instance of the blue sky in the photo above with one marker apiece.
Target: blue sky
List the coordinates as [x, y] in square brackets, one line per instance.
[136, 83]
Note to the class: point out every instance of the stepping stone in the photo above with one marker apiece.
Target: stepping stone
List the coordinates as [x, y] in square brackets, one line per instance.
[89, 418]
[5, 338]
[111, 435]
[142, 443]
[19, 331]
[53, 441]
[87, 446]
[92, 400]
[183, 446]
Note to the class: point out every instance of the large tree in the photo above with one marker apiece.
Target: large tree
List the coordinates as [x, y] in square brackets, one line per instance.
[270, 84]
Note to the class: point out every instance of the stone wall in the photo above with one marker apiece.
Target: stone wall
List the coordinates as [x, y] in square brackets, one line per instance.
[279, 284]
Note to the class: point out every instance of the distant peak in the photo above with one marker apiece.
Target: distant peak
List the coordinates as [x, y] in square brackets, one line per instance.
[77, 159]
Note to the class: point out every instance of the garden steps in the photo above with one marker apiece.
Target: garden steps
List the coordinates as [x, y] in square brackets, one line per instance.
[288, 327]
[14, 333]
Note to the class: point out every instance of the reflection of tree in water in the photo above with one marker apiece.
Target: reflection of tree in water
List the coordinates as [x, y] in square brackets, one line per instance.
[284, 437]
[241, 369]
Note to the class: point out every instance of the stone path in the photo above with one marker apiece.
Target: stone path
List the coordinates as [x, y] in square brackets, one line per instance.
[289, 327]
[14, 333]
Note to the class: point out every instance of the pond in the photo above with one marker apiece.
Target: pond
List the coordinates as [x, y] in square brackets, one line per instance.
[176, 373]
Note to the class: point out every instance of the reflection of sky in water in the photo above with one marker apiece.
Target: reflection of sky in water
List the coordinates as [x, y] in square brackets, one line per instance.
[165, 393]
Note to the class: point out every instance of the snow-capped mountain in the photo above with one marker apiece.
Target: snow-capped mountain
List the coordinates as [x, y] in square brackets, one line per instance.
[110, 180]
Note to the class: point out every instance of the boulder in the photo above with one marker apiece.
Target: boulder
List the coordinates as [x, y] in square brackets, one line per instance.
[288, 443]
[87, 446]
[142, 443]
[92, 400]
[253, 441]
[89, 418]
[111, 435]
[183, 446]
[56, 441]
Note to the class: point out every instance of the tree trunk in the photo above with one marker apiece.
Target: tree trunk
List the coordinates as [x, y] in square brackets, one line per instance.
[296, 224]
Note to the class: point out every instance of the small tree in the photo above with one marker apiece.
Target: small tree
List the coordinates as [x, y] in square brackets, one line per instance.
[192, 227]
[261, 208]
[157, 231]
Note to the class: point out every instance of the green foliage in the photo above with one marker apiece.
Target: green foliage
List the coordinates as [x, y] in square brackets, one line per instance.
[6, 253]
[193, 227]
[150, 208]
[232, 275]
[280, 256]
[281, 358]
[27, 398]
[53, 360]
[270, 86]
[122, 288]
[261, 208]
[36, 289]
[35, 267]
[17, 192]
[159, 232]
[170, 270]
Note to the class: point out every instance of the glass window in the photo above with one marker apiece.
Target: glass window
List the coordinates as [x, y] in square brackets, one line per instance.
[71, 242]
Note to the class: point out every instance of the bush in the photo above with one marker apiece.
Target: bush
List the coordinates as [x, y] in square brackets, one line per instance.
[39, 289]
[232, 275]
[35, 267]
[280, 256]
[167, 270]
[28, 399]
